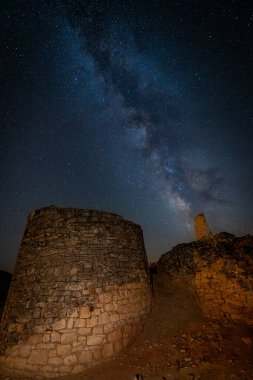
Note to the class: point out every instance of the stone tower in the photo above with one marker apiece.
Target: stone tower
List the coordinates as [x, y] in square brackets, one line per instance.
[79, 294]
[202, 228]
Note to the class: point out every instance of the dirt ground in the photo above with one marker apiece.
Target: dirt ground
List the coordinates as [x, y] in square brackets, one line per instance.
[178, 344]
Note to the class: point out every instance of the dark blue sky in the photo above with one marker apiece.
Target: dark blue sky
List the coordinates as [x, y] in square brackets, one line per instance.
[141, 109]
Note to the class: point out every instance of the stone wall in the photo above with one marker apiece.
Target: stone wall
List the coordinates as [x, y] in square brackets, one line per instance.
[202, 228]
[79, 294]
[217, 271]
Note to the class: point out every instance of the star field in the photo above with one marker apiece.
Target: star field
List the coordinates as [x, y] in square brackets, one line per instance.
[141, 109]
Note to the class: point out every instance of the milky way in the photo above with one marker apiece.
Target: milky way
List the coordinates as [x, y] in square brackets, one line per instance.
[141, 109]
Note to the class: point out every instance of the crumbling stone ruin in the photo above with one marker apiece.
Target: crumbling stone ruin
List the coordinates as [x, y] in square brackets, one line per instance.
[79, 294]
[217, 272]
[202, 228]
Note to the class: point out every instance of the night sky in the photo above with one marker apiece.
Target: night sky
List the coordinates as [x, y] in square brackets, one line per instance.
[141, 108]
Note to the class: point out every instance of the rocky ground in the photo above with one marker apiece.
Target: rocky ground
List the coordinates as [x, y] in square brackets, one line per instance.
[178, 344]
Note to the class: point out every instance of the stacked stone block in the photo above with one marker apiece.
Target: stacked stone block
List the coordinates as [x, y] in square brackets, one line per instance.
[79, 294]
[218, 272]
[202, 228]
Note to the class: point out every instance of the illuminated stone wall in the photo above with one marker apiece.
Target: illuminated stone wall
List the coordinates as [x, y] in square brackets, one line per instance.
[218, 272]
[79, 294]
[202, 228]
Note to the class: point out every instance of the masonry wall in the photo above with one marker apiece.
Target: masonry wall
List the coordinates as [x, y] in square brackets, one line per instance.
[217, 271]
[79, 294]
[202, 228]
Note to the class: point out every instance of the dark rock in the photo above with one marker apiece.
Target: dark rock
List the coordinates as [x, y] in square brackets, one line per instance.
[5, 280]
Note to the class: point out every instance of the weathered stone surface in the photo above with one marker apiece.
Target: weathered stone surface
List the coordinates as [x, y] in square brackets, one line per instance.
[105, 298]
[55, 337]
[68, 337]
[85, 312]
[91, 322]
[71, 359]
[94, 340]
[218, 271]
[78, 368]
[63, 349]
[55, 361]
[60, 325]
[103, 319]
[24, 351]
[202, 228]
[84, 331]
[80, 275]
[80, 323]
[117, 346]
[107, 350]
[19, 363]
[84, 357]
[39, 357]
[115, 336]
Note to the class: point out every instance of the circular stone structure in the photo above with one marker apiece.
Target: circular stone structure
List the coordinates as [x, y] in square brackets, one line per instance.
[79, 294]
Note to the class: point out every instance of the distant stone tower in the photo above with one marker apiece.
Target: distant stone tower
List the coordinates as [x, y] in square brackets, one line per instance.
[79, 294]
[202, 228]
